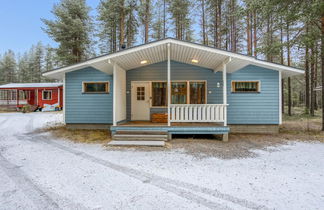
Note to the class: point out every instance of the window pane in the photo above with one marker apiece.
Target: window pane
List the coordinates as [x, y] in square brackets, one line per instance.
[47, 95]
[140, 93]
[197, 92]
[101, 87]
[246, 86]
[178, 92]
[159, 94]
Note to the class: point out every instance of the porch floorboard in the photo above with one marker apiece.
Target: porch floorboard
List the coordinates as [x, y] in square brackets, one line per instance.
[185, 124]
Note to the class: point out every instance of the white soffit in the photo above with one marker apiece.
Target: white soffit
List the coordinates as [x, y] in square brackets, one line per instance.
[181, 51]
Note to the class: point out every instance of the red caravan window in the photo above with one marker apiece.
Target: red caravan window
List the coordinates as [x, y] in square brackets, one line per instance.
[47, 95]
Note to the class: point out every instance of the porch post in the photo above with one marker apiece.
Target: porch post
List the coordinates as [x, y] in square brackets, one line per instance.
[58, 97]
[17, 97]
[114, 94]
[169, 85]
[225, 92]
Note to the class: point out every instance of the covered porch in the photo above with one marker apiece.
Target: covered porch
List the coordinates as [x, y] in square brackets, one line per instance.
[156, 81]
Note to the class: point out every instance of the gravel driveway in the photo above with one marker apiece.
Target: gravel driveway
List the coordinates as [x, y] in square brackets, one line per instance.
[38, 171]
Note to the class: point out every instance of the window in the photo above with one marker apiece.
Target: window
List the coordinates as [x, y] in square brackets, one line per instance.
[47, 95]
[179, 92]
[197, 92]
[245, 86]
[95, 87]
[24, 95]
[159, 94]
[140, 93]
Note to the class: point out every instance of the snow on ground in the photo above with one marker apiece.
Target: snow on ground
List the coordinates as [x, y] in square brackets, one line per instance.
[39, 172]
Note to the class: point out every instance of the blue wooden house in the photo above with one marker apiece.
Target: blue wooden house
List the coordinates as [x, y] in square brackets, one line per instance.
[173, 87]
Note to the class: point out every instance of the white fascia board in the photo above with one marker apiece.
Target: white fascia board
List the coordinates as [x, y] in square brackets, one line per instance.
[107, 57]
[110, 57]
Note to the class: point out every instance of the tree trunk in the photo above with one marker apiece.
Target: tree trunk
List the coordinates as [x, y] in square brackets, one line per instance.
[147, 17]
[315, 76]
[312, 74]
[268, 39]
[282, 62]
[216, 26]
[122, 24]
[288, 62]
[307, 80]
[255, 33]
[164, 19]
[203, 21]
[219, 34]
[322, 67]
[248, 34]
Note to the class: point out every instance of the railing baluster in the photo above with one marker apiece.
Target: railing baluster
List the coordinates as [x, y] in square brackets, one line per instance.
[197, 112]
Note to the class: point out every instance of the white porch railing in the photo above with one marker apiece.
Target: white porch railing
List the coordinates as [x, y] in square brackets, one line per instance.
[198, 112]
[13, 102]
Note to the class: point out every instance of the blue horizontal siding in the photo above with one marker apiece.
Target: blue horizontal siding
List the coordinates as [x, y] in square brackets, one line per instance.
[87, 108]
[254, 108]
[244, 108]
[179, 71]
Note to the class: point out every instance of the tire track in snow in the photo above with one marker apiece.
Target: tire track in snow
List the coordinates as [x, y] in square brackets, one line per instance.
[31, 190]
[182, 189]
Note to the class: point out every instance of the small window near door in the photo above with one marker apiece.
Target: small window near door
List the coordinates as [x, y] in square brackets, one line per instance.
[140, 91]
[245, 86]
[95, 87]
[47, 95]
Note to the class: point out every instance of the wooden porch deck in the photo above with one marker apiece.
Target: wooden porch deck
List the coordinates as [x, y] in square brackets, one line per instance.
[178, 124]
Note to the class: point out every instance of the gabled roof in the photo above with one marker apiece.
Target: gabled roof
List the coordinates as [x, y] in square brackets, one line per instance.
[181, 51]
[30, 85]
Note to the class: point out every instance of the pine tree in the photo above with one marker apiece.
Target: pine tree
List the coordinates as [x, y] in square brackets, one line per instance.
[114, 19]
[8, 67]
[180, 15]
[131, 22]
[71, 29]
[145, 17]
[158, 21]
[23, 73]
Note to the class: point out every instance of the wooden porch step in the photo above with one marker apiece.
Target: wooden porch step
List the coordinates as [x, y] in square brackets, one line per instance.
[137, 143]
[140, 137]
[142, 132]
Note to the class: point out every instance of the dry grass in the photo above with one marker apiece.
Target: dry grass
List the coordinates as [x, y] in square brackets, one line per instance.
[298, 127]
[79, 136]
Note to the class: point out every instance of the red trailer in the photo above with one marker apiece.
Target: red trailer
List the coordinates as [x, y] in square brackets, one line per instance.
[38, 95]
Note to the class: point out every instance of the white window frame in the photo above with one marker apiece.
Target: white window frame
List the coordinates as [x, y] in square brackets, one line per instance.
[188, 90]
[237, 92]
[47, 91]
[94, 82]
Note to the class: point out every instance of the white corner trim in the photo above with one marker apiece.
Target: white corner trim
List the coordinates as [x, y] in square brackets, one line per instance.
[280, 98]
[225, 91]
[64, 100]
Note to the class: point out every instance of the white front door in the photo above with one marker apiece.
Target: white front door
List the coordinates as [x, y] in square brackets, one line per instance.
[140, 101]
